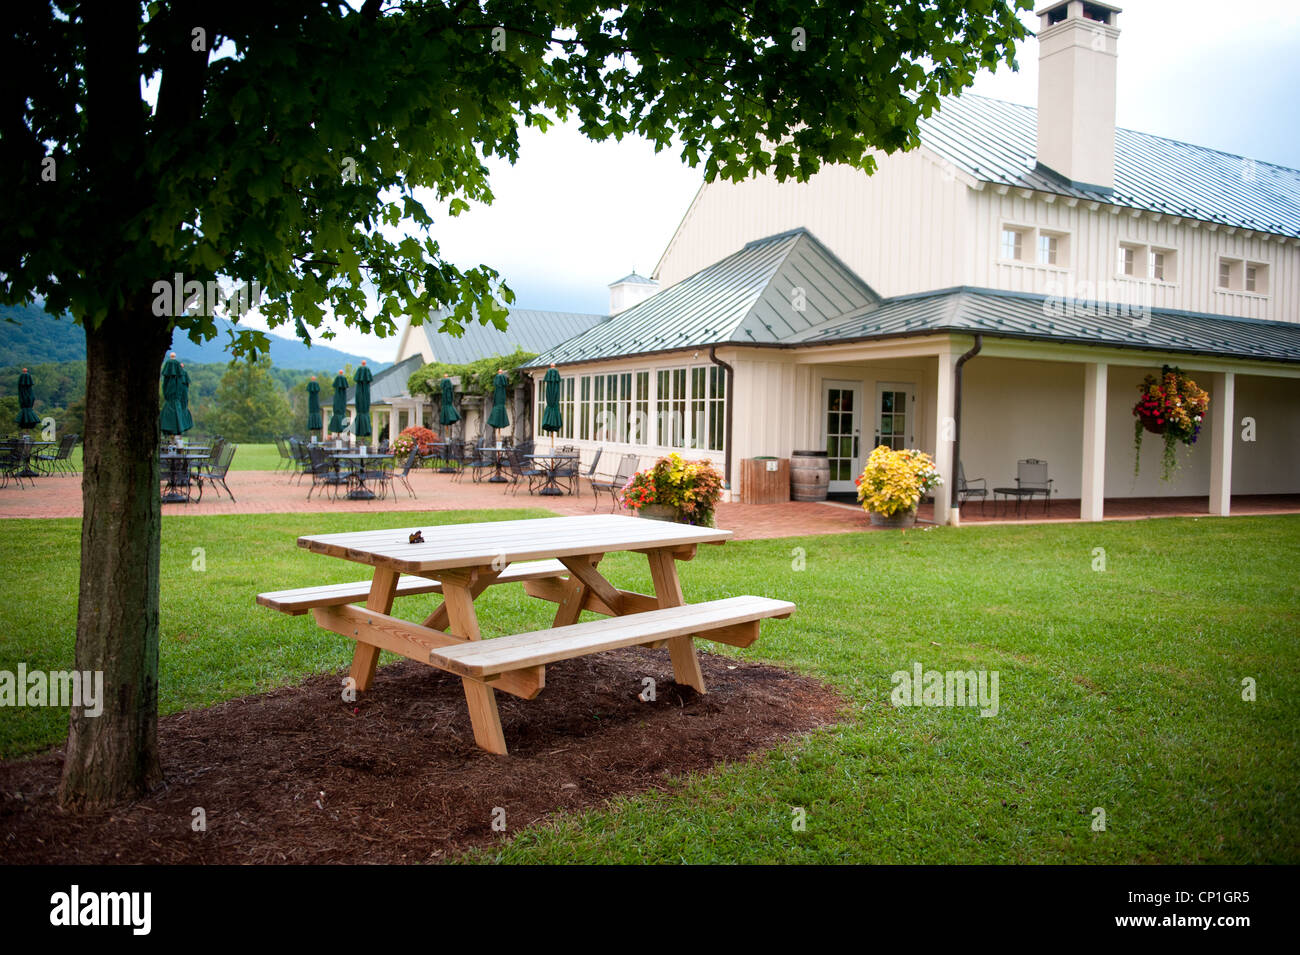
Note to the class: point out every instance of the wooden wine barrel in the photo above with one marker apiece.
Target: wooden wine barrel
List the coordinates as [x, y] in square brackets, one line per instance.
[810, 475]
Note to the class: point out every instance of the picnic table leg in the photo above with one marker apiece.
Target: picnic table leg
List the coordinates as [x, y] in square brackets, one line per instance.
[681, 650]
[570, 608]
[458, 598]
[383, 588]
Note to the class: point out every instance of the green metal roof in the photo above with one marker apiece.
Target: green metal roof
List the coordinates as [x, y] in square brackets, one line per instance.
[531, 329]
[1021, 315]
[996, 141]
[774, 288]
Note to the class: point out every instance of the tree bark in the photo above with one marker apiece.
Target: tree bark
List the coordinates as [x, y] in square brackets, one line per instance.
[113, 757]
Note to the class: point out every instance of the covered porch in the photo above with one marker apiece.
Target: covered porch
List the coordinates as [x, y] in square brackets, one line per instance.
[1069, 405]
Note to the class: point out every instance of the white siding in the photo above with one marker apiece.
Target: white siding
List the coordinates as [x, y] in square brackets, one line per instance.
[1095, 237]
[899, 229]
[916, 225]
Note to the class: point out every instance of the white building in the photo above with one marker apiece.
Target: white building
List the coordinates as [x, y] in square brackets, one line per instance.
[1065, 258]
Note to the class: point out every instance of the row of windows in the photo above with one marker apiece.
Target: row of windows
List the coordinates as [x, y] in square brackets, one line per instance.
[1135, 260]
[681, 407]
[1034, 245]
[1242, 276]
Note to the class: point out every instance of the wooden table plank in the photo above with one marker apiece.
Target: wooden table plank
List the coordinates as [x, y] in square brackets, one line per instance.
[462, 545]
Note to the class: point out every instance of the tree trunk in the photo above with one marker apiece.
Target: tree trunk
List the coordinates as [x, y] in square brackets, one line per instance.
[113, 757]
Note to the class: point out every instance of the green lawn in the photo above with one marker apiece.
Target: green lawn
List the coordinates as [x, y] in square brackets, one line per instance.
[249, 457]
[1119, 689]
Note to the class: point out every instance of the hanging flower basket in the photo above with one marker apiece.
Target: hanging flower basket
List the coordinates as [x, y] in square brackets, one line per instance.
[892, 484]
[1172, 406]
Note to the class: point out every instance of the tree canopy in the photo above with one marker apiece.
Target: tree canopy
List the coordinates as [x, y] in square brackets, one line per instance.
[289, 139]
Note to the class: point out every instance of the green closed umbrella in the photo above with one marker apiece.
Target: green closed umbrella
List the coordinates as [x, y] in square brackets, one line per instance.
[449, 415]
[338, 420]
[187, 419]
[172, 419]
[314, 420]
[499, 418]
[552, 418]
[26, 400]
[361, 426]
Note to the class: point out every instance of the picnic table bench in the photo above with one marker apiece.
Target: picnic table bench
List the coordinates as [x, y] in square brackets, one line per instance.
[556, 559]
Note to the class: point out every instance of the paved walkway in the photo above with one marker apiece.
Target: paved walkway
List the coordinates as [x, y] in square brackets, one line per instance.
[269, 492]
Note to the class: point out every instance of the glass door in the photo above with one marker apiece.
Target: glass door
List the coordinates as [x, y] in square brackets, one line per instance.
[842, 401]
[895, 415]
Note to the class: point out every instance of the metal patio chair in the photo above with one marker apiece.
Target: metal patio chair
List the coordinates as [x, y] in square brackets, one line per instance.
[626, 468]
[216, 470]
[972, 487]
[1031, 477]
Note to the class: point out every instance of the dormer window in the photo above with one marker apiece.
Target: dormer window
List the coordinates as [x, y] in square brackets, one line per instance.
[1147, 262]
[1013, 244]
[1238, 275]
[1128, 260]
[1257, 277]
[1027, 245]
[1048, 246]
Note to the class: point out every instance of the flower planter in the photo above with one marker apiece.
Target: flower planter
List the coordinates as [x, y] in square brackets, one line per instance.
[901, 519]
[659, 512]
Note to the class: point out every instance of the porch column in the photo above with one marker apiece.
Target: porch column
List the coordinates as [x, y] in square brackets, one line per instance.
[1221, 417]
[1093, 485]
[944, 424]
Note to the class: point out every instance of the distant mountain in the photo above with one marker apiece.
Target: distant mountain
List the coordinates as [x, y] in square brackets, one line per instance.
[34, 336]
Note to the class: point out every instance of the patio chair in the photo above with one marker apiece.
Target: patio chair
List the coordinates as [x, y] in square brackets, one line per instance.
[626, 468]
[12, 463]
[56, 462]
[520, 468]
[405, 473]
[968, 488]
[1031, 476]
[283, 451]
[484, 459]
[302, 463]
[217, 468]
[323, 472]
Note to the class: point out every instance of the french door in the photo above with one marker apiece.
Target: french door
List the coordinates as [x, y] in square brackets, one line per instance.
[895, 415]
[842, 405]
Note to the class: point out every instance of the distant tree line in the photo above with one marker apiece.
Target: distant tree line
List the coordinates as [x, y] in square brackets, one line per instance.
[245, 402]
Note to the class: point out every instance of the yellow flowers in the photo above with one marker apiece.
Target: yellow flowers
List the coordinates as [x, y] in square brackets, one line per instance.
[895, 481]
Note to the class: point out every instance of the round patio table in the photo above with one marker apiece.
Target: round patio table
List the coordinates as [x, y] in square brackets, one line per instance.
[27, 471]
[551, 462]
[500, 451]
[178, 476]
[360, 492]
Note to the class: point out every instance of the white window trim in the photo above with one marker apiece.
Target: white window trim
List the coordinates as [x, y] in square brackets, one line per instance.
[1029, 247]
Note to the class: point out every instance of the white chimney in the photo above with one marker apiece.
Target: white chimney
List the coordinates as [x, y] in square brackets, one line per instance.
[1076, 90]
[629, 290]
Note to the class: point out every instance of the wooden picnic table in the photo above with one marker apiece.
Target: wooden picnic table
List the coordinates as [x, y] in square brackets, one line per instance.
[556, 559]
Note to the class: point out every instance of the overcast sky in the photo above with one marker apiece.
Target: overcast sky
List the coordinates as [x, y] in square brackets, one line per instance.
[572, 215]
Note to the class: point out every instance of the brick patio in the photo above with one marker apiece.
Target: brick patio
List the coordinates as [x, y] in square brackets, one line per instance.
[269, 492]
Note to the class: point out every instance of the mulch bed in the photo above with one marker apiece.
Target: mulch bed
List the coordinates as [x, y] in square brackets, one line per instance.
[298, 776]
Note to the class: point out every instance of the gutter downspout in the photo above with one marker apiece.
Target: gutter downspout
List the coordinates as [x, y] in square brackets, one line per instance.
[731, 381]
[956, 413]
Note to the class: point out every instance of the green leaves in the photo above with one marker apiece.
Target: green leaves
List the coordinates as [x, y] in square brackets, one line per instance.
[296, 160]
